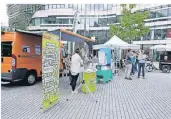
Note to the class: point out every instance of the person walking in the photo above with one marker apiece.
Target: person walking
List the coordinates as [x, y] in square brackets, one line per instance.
[133, 61]
[141, 64]
[76, 63]
[128, 65]
[136, 63]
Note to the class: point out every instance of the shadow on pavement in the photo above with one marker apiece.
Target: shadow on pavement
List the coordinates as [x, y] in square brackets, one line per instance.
[16, 84]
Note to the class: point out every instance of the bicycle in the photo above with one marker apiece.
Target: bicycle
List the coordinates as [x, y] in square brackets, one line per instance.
[150, 66]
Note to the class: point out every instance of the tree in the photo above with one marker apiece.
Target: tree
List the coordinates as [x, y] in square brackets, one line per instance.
[131, 24]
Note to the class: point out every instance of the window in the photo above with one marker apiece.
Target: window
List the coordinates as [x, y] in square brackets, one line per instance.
[96, 7]
[59, 21]
[109, 6]
[66, 6]
[51, 20]
[88, 7]
[79, 7]
[94, 22]
[148, 36]
[81, 20]
[70, 6]
[37, 21]
[88, 21]
[92, 7]
[118, 19]
[157, 34]
[152, 14]
[112, 20]
[102, 35]
[46, 7]
[6, 49]
[54, 6]
[93, 34]
[163, 34]
[169, 12]
[50, 6]
[44, 20]
[103, 21]
[101, 7]
[58, 6]
[62, 6]
[71, 21]
[83, 7]
[43, 7]
[65, 21]
[164, 12]
[32, 22]
[161, 13]
[75, 6]
[105, 6]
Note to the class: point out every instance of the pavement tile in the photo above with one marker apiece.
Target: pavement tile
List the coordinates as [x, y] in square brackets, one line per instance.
[118, 99]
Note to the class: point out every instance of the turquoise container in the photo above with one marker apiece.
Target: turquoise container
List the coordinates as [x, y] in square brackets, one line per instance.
[105, 74]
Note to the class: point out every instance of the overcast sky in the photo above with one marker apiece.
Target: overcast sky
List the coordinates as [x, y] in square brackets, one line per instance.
[4, 17]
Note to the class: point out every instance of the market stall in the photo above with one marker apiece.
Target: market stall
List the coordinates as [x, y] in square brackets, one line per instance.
[117, 45]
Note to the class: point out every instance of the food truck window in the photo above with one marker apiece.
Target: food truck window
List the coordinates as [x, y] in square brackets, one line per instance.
[6, 49]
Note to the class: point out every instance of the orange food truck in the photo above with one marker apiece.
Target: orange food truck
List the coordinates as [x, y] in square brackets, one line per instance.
[21, 57]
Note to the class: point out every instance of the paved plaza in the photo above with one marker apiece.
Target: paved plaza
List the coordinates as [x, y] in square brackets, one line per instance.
[148, 98]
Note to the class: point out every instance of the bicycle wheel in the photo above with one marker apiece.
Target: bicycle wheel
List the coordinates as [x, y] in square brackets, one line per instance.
[149, 68]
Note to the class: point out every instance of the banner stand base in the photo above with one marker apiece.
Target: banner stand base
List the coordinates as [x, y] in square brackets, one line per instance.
[48, 108]
[83, 83]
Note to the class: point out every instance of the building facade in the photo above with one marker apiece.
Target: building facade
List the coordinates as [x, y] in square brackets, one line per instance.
[20, 14]
[94, 19]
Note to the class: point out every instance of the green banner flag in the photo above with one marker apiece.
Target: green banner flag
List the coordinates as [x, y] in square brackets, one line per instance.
[50, 69]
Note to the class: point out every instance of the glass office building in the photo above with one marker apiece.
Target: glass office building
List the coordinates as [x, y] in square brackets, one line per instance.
[94, 19]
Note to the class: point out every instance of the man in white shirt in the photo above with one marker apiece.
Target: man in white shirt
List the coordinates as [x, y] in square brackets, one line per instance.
[76, 63]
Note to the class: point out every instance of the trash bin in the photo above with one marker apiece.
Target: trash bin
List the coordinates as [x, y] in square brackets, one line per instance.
[90, 80]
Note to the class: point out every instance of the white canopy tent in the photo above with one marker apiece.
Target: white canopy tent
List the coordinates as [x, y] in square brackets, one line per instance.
[116, 42]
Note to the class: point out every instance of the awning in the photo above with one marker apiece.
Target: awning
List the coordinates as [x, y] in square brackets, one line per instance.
[65, 35]
[70, 36]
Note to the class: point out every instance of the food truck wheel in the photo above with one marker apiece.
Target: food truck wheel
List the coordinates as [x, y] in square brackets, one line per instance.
[166, 68]
[30, 78]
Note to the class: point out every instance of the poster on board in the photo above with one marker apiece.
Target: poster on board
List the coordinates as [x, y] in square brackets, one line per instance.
[26, 49]
[50, 69]
[102, 58]
[37, 49]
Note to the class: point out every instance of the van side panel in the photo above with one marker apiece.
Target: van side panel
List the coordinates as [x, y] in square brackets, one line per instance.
[29, 59]
[8, 36]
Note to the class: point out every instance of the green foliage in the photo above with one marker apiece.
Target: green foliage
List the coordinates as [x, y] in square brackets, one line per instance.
[131, 24]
